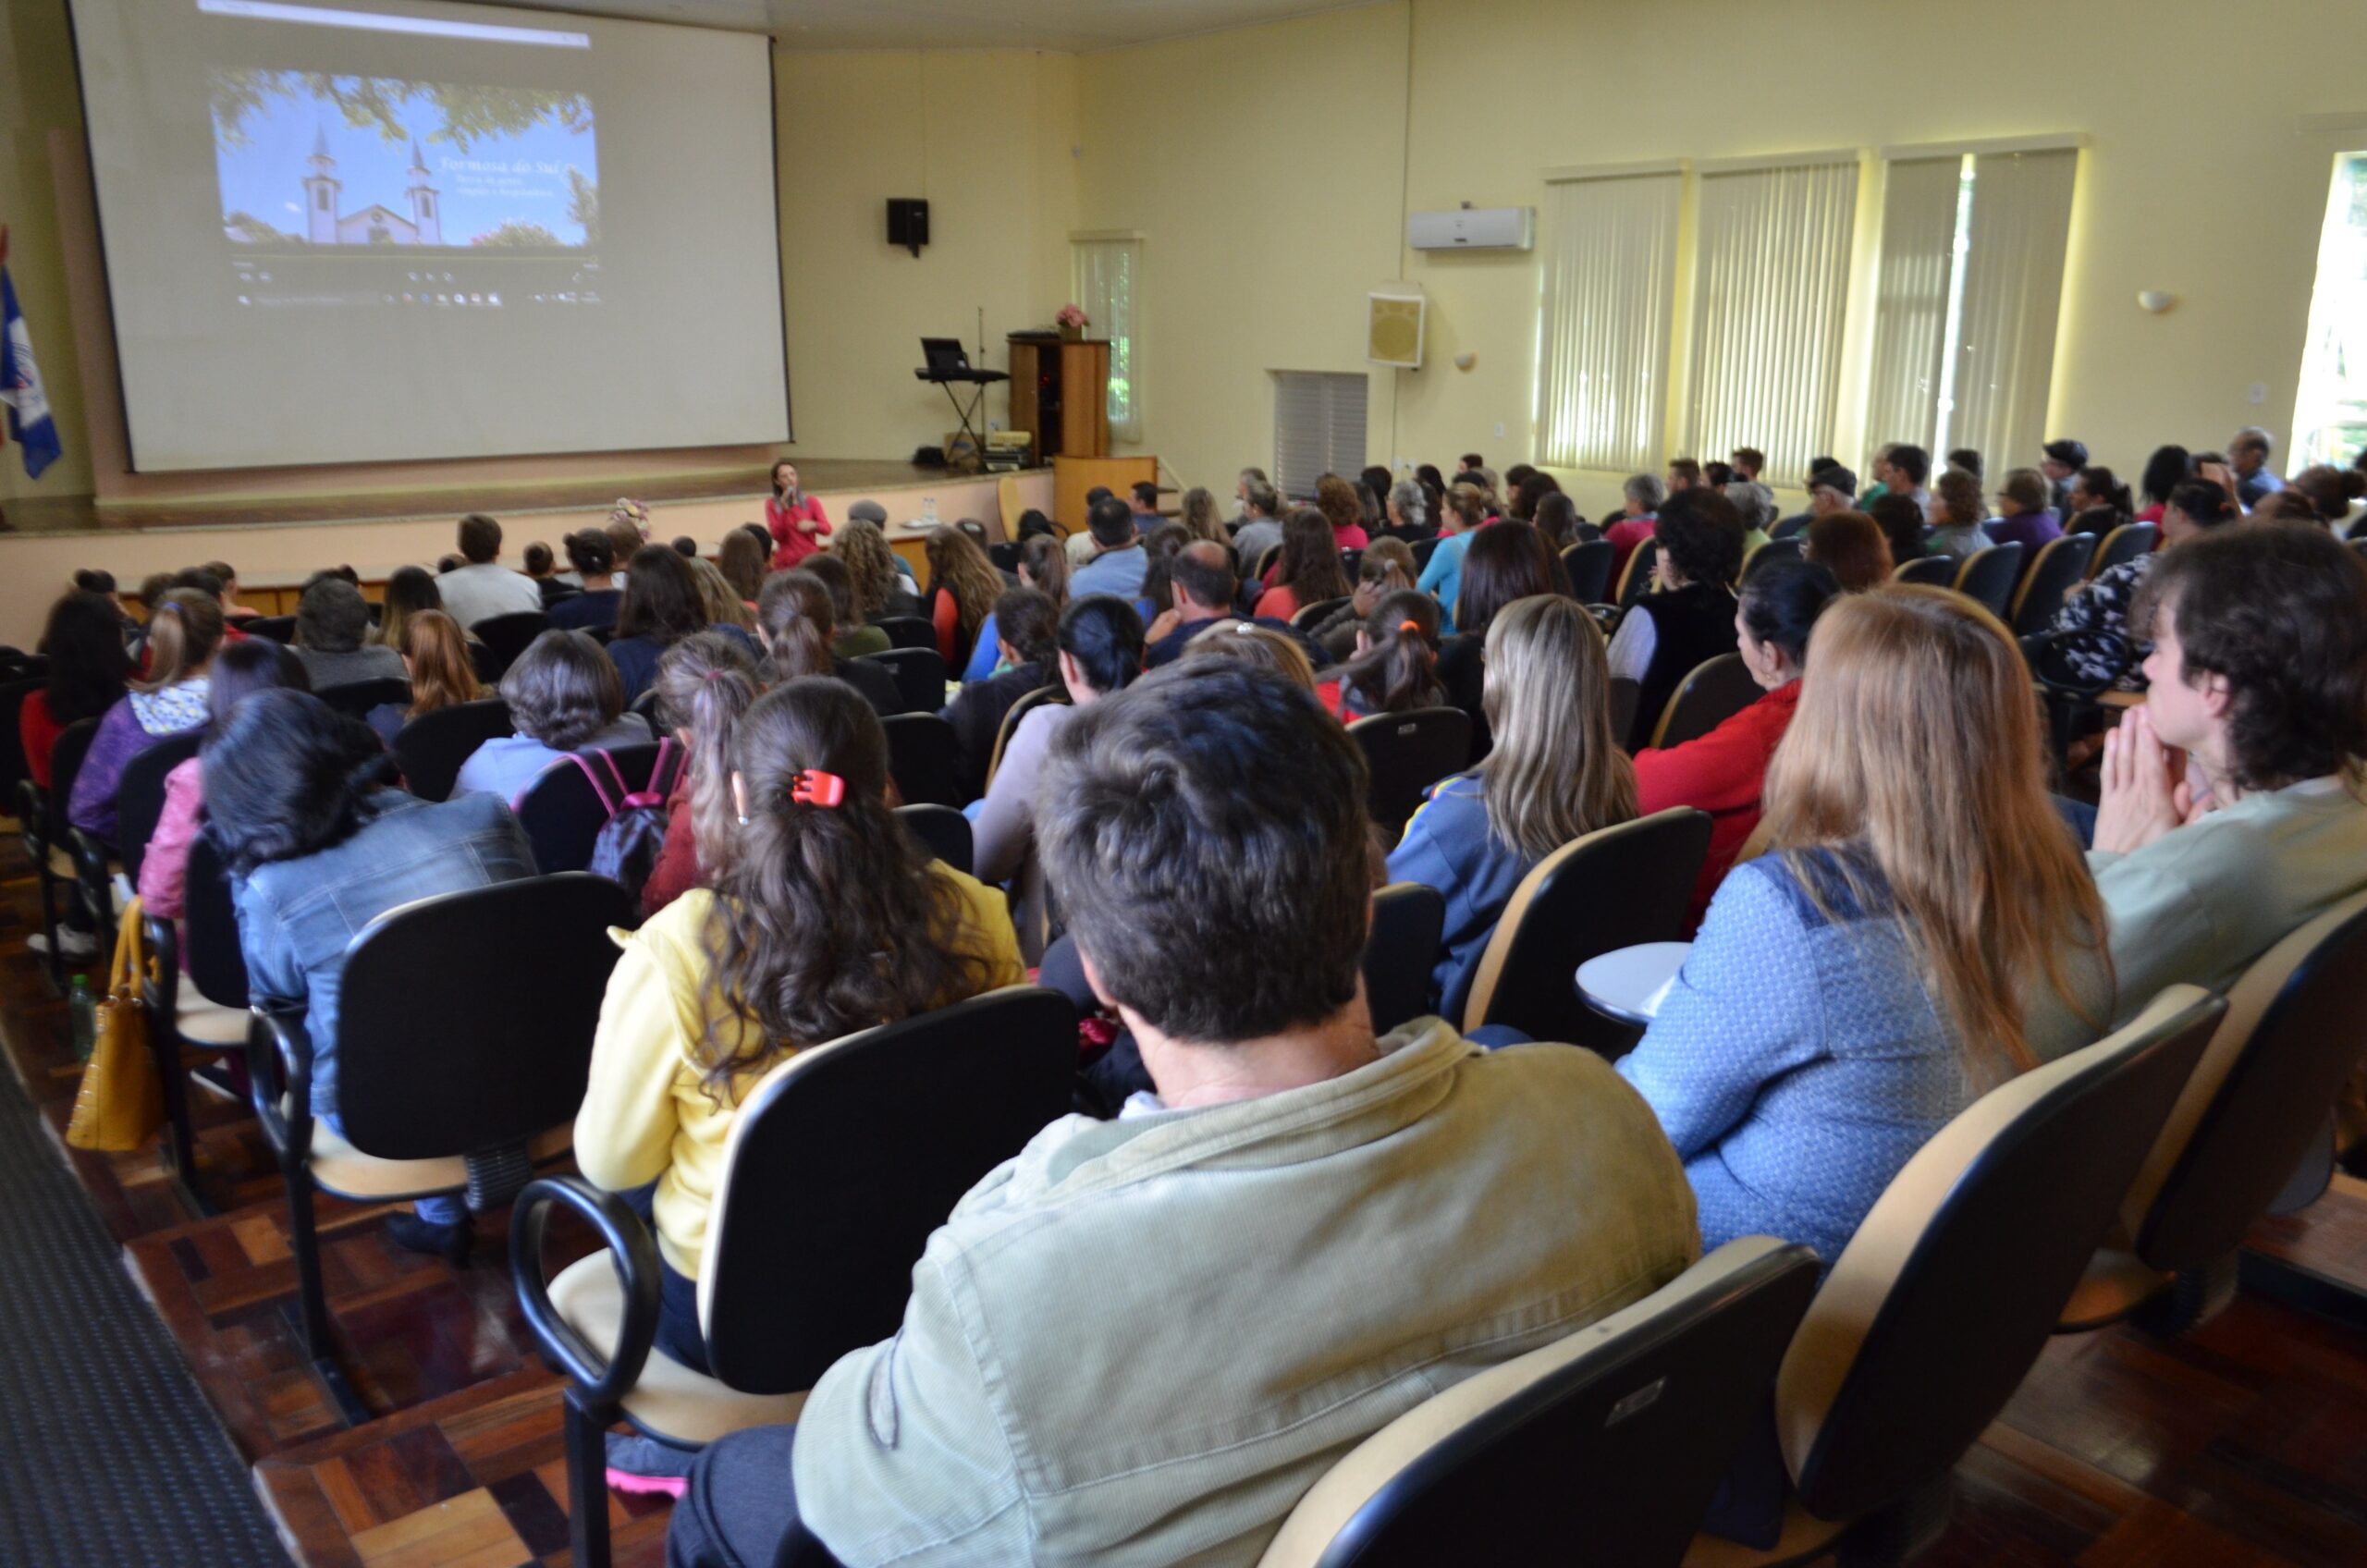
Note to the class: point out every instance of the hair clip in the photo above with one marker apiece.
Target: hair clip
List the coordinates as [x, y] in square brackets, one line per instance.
[815, 788]
[1414, 626]
[716, 674]
[166, 606]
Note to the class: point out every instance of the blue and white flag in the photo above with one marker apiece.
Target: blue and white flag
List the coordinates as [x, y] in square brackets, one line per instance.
[28, 416]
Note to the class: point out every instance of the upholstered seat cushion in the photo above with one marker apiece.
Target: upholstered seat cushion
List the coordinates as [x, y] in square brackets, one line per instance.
[210, 1023]
[338, 1167]
[670, 1402]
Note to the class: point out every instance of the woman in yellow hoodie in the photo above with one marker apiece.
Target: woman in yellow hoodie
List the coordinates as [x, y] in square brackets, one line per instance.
[825, 917]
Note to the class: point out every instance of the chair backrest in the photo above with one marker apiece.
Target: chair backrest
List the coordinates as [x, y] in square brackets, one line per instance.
[13, 770]
[1626, 696]
[1611, 889]
[1400, 951]
[506, 636]
[1787, 548]
[1266, 560]
[1714, 693]
[465, 1021]
[562, 812]
[1604, 1448]
[1028, 703]
[2060, 566]
[139, 798]
[1589, 566]
[1636, 577]
[878, 1134]
[921, 756]
[910, 631]
[1004, 554]
[212, 958]
[943, 832]
[356, 698]
[1941, 1303]
[1352, 562]
[64, 765]
[919, 677]
[1308, 616]
[1789, 528]
[1406, 752]
[2125, 543]
[1987, 576]
[1929, 571]
[2258, 1098]
[278, 629]
[1423, 550]
[430, 748]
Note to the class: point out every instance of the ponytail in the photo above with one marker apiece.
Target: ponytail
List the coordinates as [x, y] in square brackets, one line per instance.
[184, 629]
[705, 684]
[1399, 671]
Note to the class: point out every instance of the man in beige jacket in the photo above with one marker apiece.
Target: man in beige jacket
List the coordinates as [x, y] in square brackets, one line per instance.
[1142, 1341]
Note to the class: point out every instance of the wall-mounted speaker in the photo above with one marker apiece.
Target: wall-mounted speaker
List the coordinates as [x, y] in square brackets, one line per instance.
[1393, 329]
[907, 223]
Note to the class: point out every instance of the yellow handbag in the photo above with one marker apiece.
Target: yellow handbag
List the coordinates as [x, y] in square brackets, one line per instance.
[121, 1101]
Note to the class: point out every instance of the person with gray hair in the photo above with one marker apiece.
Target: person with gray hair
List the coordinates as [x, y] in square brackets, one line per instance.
[331, 622]
[1644, 494]
[1409, 510]
[1755, 504]
[2247, 454]
[1261, 523]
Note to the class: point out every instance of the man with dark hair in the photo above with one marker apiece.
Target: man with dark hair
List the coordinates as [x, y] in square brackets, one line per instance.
[2259, 677]
[1683, 473]
[1145, 496]
[1118, 562]
[332, 619]
[1904, 471]
[595, 560]
[1750, 461]
[1691, 618]
[1261, 522]
[480, 589]
[2247, 454]
[1201, 579]
[1301, 1231]
[2061, 462]
[1026, 625]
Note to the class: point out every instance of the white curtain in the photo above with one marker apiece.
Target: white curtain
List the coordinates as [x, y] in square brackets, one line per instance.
[1610, 292]
[1318, 428]
[1106, 275]
[2013, 293]
[1911, 305]
[1770, 299]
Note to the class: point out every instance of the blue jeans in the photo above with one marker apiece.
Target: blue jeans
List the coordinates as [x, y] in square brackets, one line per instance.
[740, 1510]
[2080, 817]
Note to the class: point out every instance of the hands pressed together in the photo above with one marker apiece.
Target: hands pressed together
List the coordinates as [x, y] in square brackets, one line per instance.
[2146, 792]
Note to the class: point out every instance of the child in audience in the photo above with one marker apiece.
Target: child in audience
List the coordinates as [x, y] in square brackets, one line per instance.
[797, 619]
[1396, 664]
[184, 630]
[1921, 930]
[1387, 566]
[1099, 652]
[318, 846]
[255, 665]
[435, 653]
[88, 669]
[1028, 623]
[2258, 675]
[1724, 771]
[1556, 774]
[705, 684]
[563, 697]
[826, 918]
[1308, 570]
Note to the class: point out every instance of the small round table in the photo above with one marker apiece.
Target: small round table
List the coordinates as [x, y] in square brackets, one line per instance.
[1625, 984]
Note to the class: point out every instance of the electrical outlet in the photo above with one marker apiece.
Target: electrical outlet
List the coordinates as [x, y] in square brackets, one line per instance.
[1500, 430]
[2259, 393]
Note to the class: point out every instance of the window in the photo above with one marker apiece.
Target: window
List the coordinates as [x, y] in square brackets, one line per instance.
[1610, 280]
[427, 206]
[1106, 273]
[1970, 288]
[323, 195]
[2330, 416]
[1318, 428]
[1771, 295]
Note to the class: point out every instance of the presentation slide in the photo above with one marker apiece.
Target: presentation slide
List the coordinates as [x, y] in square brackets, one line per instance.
[412, 230]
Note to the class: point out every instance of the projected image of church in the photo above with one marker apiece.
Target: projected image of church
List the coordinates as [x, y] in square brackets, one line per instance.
[307, 161]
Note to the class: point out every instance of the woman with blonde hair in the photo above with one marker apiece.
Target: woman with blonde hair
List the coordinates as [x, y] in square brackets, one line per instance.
[435, 652]
[1556, 774]
[1917, 867]
[706, 683]
[962, 588]
[184, 630]
[880, 590]
[1199, 516]
[1255, 644]
[722, 601]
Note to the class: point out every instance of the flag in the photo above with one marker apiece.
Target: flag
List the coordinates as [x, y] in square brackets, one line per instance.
[28, 416]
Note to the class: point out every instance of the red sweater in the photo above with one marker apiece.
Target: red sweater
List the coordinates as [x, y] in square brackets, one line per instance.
[1624, 538]
[39, 733]
[794, 543]
[1721, 772]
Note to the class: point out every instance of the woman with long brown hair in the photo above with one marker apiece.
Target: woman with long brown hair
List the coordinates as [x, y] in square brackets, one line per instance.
[797, 617]
[962, 588]
[705, 684]
[1308, 571]
[827, 917]
[1917, 867]
[1556, 774]
[436, 653]
[879, 589]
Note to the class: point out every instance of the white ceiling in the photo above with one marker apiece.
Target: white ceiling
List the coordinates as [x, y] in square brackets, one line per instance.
[1072, 26]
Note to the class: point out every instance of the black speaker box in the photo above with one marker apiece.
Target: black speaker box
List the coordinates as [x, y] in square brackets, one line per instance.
[907, 223]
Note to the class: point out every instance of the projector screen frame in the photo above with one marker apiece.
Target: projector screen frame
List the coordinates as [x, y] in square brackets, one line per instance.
[119, 390]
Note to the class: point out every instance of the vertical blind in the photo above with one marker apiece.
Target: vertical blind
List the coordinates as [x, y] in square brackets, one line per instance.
[1911, 301]
[1610, 291]
[1769, 300]
[1318, 428]
[2013, 291]
[1106, 273]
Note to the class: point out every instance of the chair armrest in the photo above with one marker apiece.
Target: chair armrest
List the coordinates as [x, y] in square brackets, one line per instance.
[33, 815]
[160, 986]
[630, 1249]
[279, 1064]
[91, 855]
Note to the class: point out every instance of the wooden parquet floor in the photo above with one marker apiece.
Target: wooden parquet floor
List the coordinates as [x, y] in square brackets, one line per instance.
[2243, 1445]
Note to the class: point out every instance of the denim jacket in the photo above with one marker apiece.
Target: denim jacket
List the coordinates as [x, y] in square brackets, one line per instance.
[297, 917]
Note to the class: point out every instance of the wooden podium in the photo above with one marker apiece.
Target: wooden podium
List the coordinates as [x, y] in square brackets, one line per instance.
[1059, 394]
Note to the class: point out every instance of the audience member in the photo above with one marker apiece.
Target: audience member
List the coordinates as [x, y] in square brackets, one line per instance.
[2167, 469]
[1916, 868]
[564, 696]
[852, 636]
[1199, 517]
[880, 591]
[88, 670]
[741, 560]
[2249, 452]
[1531, 493]
[1683, 473]
[1201, 587]
[1750, 462]
[480, 589]
[408, 591]
[1851, 546]
[1310, 570]
[1639, 510]
[594, 608]
[1405, 513]
[2061, 461]
[539, 567]
[705, 684]
[1261, 527]
[2099, 502]
[1459, 521]
[1395, 666]
[184, 630]
[1044, 566]
[1387, 566]
[1555, 773]
[1159, 548]
[332, 624]
[1142, 505]
[1879, 472]
[1691, 618]
[1903, 525]
[1028, 622]
[1243, 642]
[2330, 491]
[317, 847]
[1336, 499]
[1956, 513]
[1117, 563]
[1507, 562]
[1754, 507]
[721, 601]
[1558, 521]
[2023, 517]
[1723, 772]
[1968, 460]
[962, 587]
[798, 619]
[2258, 675]
[796, 520]
[253, 666]
[663, 603]
[2092, 636]
[435, 654]
[1904, 470]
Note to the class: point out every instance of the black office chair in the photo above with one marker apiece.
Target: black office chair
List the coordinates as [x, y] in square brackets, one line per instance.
[139, 798]
[504, 637]
[1401, 950]
[2060, 566]
[1408, 753]
[942, 831]
[1785, 549]
[563, 811]
[464, 1043]
[280, 629]
[357, 698]
[430, 748]
[1987, 576]
[1589, 569]
[2124, 544]
[1309, 616]
[1056, 692]
[13, 770]
[1626, 696]
[1714, 693]
[919, 677]
[911, 631]
[1636, 580]
[1423, 550]
[49, 837]
[195, 995]
[922, 758]
[1926, 572]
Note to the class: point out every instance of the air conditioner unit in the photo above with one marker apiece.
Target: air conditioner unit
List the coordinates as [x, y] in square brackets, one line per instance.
[1473, 228]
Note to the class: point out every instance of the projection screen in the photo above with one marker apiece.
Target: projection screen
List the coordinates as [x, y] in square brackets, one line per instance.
[351, 230]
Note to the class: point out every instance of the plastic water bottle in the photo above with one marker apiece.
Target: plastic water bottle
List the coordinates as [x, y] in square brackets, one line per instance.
[84, 1007]
[928, 510]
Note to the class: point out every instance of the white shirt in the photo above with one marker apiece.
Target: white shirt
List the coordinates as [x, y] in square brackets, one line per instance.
[472, 594]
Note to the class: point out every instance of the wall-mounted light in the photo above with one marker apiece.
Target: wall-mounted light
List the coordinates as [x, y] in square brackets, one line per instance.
[2154, 301]
[1466, 359]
